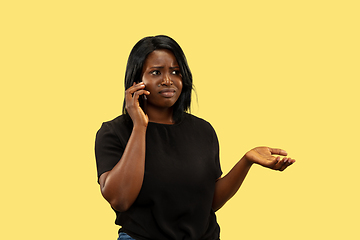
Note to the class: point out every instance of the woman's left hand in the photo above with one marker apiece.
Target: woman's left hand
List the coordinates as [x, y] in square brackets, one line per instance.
[264, 157]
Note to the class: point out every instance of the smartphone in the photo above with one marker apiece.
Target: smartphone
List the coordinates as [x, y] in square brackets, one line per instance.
[142, 101]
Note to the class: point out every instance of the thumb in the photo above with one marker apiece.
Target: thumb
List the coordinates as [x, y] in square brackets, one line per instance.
[278, 151]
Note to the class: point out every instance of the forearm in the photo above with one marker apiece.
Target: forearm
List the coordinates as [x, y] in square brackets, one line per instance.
[122, 184]
[226, 187]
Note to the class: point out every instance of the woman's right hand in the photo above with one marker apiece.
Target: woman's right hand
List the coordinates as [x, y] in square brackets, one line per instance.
[132, 105]
[121, 185]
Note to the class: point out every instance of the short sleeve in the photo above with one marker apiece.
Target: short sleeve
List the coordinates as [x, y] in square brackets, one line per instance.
[108, 149]
[216, 153]
[217, 158]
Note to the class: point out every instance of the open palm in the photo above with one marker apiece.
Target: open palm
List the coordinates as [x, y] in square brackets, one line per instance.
[264, 156]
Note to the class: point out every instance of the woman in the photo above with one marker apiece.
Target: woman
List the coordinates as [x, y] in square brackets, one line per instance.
[158, 166]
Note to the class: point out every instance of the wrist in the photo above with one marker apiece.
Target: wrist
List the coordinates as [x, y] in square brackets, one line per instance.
[140, 123]
[247, 160]
[139, 128]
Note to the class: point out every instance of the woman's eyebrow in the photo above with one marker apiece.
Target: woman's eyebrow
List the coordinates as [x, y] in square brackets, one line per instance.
[156, 67]
[164, 67]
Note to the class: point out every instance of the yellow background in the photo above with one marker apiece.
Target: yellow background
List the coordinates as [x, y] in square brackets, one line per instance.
[275, 73]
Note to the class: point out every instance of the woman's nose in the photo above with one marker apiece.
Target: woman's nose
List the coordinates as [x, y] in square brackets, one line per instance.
[166, 80]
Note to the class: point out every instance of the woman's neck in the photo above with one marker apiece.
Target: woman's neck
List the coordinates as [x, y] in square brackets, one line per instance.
[160, 115]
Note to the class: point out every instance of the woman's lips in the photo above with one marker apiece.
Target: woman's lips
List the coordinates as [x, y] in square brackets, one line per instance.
[167, 93]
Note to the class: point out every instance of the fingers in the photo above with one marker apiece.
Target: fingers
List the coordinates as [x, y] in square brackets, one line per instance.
[133, 89]
[132, 95]
[278, 151]
[283, 164]
[137, 94]
[133, 92]
[132, 104]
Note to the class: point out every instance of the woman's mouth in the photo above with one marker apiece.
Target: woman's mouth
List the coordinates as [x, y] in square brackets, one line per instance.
[167, 92]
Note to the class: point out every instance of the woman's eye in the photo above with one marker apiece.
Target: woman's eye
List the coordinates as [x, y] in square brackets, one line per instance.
[176, 72]
[155, 72]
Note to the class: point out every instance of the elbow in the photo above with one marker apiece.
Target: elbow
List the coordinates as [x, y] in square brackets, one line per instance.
[119, 200]
[115, 200]
[216, 206]
[120, 206]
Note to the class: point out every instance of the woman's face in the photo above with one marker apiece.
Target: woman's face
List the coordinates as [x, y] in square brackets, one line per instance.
[162, 78]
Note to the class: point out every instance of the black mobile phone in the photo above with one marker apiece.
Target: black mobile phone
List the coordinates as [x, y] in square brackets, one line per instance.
[142, 100]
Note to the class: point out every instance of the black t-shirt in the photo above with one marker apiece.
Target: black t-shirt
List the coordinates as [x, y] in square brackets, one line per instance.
[181, 167]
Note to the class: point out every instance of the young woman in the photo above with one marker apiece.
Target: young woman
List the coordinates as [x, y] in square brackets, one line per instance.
[158, 166]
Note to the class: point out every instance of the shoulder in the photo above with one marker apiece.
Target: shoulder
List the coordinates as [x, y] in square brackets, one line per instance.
[198, 122]
[119, 126]
[200, 129]
[119, 121]
[122, 121]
